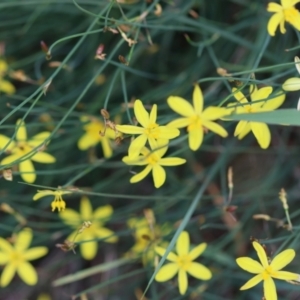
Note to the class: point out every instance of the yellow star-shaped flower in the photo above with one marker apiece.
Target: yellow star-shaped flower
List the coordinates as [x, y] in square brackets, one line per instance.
[154, 161]
[15, 258]
[183, 263]
[92, 136]
[260, 130]
[88, 237]
[195, 118]
[266, 270]
[21, 148]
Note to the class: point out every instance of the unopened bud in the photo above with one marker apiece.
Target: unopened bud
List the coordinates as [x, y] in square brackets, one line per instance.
[105, 114]
[45, 49]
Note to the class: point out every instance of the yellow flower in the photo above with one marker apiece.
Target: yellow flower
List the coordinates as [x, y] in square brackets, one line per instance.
[21, 148]
[147, 237]
[93, 136]
[95, 231]
[58, 201]
[286, 12]
[15, 258]
[183, 263]
[150, 130]
[195, 119]
[260, 130]
[153, 160]
[293, 84]
[266, 270]
[5, 86]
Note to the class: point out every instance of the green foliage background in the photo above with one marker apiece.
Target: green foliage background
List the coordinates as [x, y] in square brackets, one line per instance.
[174, 51]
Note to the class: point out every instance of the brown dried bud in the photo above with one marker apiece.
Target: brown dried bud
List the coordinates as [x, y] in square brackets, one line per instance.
[123, 60]
[45, 49]
[67, 246]
[105, 114]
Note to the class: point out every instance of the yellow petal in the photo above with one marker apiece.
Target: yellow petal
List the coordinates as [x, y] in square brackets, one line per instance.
[35, 253]
[183, 244]
[274, 22]
[282, 259]
[86, 141]
[240, 127]
[89, 249]
[141, 114]
[172, 161]
[153, 114]
[5, 246]
[261, 253]
[11, 159]
[180, 123]
[136, 145]
[3, 66]
[71, 217]
[250, 265]
[140, 176]
[39, 139]
[4, 141]
[86, 210]
[182, 281]
[27, 273]
[21, 131]
[106, 234]
[165, 132]
[291, 84]
[130, 129]
[106, 147]
[43, 157]
[259, 95]
[135, 160]
[274, 102]
[262, 134]
[7, 274]
[27, 171]
[197, 251]
[171, 256]
[239, 96]
[198, 99]
[199, 271]
[4, 258]
[166, 272]
[181, 106]
[159, 147]
[23, 240]
[283, 275]
[245, 131]
[44, 193]
[252, 282]
[212, 113]
[270, 289]
[6, 87]
[215, 127]
[195, 139]
[103, 213]
[274, 7]
[159, 175]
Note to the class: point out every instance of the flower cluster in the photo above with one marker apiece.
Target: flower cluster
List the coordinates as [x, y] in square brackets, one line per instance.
[158, 138]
